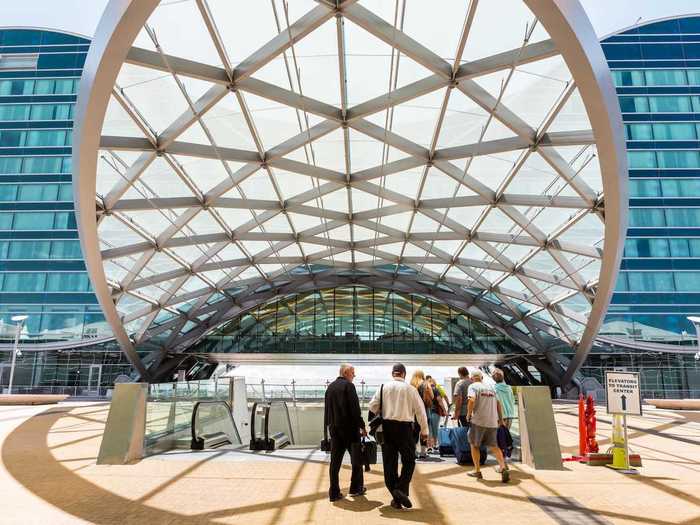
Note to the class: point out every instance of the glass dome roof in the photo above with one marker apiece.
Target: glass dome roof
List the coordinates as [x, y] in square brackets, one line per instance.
[253, 149]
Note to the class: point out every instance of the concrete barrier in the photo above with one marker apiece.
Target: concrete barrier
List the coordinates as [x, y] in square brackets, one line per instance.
[538, 430]
[123, 437]
[675, 404]
[31, 399]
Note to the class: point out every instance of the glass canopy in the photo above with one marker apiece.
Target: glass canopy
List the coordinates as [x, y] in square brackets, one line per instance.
[355, 319]
[254, 149]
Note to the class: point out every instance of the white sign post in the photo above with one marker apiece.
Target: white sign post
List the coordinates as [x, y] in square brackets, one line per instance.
[622, 398]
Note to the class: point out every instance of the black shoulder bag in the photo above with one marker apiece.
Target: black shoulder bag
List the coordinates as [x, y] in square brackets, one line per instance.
[375, 423]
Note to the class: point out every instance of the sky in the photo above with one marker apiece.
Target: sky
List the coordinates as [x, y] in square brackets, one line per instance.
[607, 16]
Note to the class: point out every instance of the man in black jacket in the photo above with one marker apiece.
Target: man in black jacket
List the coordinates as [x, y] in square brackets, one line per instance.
[342, 417]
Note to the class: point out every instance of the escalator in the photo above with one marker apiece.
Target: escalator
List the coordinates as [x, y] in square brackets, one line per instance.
[270, 426]
[213, 426]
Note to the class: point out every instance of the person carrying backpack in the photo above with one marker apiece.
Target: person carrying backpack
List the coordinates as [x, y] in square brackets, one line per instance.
[436, 410]
[426, 394]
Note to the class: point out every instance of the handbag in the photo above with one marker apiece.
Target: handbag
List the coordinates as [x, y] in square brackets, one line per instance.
[376, 422]
[364, 452]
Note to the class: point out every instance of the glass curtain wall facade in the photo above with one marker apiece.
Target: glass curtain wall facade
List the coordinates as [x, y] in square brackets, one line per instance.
[42, 272]
[656, 69]
[355, 319]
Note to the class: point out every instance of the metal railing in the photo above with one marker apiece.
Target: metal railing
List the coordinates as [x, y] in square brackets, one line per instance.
[101, 392]
[688, 393]
[300, 393]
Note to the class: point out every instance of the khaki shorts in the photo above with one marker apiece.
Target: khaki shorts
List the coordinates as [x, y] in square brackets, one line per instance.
[482, 436]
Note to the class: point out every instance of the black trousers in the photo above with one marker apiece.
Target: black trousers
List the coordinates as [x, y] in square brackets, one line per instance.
[341, 442]
[398, 441]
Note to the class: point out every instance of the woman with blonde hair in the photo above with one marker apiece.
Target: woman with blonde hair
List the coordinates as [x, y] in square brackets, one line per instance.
[425, 391]
[438, 408]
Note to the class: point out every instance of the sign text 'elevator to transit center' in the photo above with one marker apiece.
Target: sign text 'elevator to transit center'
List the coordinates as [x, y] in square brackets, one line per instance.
[622, 393]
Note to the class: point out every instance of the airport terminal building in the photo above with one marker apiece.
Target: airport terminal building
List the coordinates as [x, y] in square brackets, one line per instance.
[521, 207]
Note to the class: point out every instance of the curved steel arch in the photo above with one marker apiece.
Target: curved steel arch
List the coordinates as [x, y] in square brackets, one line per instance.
[571, 36]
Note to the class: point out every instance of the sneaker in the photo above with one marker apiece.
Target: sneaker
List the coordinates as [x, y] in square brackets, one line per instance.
[505, 475]
[395, 504]
[475, 474]
[402, 498]
[358, 493]
[337, 497]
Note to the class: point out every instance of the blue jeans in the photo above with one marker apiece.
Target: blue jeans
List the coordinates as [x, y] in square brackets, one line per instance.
[433, 423]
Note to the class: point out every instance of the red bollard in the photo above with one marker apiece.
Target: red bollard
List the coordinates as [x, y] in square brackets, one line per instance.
[582, 429]
[591, 443]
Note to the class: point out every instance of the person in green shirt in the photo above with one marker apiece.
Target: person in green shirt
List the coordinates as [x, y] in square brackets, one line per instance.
[504, 393]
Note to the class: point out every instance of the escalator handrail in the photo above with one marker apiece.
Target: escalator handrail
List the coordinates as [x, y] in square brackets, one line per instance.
[267, 420]
[195, 437]
[252, 420]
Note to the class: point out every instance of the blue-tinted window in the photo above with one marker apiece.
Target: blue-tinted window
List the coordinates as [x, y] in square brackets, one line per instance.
[683, 217]
[36, 249]
[14, 112]
[647, 217]
[680, 187]
[676, 131]
[65, 192]
[670, 104]
[687, 281]
[679, 247]
[665, 77]
[44, 86]
[641, 159]
[23, 282]
[650, 281]
[10, 165]
[678, 159]
[67, 282]
[37, 220]
[634, 104]
[38, 192]
[646, 248]
[8, 192]
[42, 165]
[16, 87]
[29, 250]
[621, 284]
[65, 250]
[660, 104]
[644, 188]
[33, 221]
[628, 78]
[639, 132]
[6, 221]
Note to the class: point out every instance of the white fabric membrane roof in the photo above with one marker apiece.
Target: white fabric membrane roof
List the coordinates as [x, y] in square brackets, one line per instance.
[251, 149]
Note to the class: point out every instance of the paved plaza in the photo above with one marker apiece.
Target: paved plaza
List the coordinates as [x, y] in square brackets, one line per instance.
[48, 475]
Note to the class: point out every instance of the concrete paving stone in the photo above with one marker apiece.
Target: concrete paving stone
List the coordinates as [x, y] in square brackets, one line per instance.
[48, 475]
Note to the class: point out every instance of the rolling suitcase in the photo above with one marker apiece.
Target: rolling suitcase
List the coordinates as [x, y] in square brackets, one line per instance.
[445, 441]
[460, 444]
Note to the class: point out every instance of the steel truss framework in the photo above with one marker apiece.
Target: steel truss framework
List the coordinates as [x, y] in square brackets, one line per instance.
[495, 274]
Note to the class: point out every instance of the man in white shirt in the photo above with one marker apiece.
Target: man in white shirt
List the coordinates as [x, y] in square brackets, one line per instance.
[485, 415]
[401, 405]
